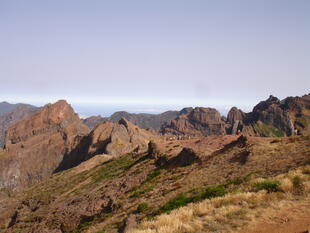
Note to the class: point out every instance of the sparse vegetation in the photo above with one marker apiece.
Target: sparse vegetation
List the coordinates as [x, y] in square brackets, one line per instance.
[152, 175]
[152, 193]
[233, 210]
[140, 191]
[268, 130]
[114, 168]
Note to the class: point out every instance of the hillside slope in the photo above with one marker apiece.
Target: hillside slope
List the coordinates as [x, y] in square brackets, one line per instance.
[108, 194]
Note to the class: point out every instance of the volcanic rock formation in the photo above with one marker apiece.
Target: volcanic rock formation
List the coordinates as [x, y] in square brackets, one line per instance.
[35, 146]
[198, 122]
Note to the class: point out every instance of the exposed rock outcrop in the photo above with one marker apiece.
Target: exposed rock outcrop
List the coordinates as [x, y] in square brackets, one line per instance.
[35, 146]
[152, 150]
[198, 122]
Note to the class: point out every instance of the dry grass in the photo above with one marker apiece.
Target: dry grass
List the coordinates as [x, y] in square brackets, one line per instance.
[226, 214]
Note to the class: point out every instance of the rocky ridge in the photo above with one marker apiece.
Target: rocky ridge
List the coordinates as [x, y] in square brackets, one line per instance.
[274, 118]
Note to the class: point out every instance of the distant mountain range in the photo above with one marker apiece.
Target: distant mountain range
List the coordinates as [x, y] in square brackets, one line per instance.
[11, 114]
[143, 120]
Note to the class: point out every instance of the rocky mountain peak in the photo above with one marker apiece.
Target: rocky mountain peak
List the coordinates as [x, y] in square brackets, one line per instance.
[272, 100]
[38, 143]
[234, 115]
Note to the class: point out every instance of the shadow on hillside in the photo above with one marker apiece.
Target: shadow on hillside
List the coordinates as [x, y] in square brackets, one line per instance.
[76, 156]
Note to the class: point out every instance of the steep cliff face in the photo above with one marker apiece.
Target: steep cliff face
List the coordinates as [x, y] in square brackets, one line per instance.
[15, 113]
[35, 146]
[197, 122]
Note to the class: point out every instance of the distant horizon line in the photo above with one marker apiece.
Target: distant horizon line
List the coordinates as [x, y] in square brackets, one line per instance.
[85, 107]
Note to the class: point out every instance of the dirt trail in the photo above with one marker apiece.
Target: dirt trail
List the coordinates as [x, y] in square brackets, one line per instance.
[294, 218]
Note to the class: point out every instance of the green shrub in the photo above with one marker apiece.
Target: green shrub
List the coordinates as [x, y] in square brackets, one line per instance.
[297, 181]
[152, 175]
[269, 185]
[216, 191]
[236, 181]
[297, 184]
[140, 192]
[142, 207]
[114, 168]
[175, 203]
[195, 195]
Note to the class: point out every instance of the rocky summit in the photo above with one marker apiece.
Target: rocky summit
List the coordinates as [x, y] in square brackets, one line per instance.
[35, 146]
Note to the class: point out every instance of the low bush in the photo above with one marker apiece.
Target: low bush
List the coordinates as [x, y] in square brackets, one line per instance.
[297, 185]
[269, 185]
[142, 207]
[194, 196]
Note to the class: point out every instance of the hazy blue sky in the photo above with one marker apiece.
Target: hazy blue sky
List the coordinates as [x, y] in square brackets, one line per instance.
[153, 55]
